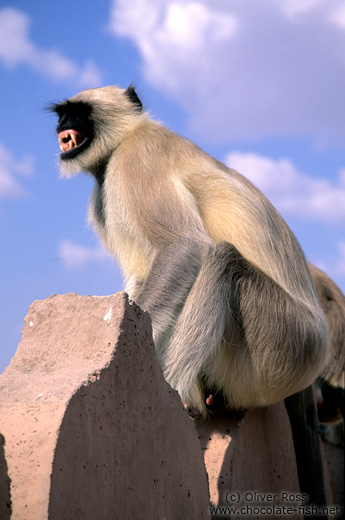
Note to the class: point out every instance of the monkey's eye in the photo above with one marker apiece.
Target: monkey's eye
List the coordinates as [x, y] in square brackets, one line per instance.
[69, 139]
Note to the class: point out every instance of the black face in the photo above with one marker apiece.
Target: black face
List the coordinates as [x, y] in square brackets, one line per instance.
[75, 127]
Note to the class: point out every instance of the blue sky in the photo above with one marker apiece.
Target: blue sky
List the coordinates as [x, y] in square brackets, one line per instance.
[259, 84]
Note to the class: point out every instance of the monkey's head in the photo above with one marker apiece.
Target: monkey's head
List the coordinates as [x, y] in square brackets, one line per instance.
[92, 124]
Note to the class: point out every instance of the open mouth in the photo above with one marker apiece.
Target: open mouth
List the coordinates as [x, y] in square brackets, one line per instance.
[69, 139]
[72, 142]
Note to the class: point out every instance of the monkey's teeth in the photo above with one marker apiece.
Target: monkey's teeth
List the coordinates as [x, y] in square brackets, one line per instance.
[69, 139]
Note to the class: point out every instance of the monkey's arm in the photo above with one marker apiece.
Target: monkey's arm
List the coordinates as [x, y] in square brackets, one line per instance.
[172, 224]
[172, 274]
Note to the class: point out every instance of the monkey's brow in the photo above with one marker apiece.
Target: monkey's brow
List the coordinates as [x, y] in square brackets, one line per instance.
[56, 107]
[72, 107]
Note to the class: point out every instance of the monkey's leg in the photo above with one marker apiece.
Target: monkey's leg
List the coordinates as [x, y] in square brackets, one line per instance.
[305, 432]
[243, 334]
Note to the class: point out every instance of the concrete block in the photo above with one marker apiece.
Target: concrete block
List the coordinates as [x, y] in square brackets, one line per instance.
[249, 453]
[251, 463]
[92, 429]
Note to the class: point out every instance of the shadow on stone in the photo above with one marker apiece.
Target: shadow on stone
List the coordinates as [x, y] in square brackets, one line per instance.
[5, 494]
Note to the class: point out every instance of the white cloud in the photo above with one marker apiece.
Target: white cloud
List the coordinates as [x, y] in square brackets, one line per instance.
[10, 172]
[243, 69]
[291, 191]
[294, 8]
[337, 16]
[173, 37]
[16, 49]
[75, 256]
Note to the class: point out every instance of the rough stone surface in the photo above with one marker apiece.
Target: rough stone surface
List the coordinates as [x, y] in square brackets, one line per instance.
[248, 453]
[253, 453]
[334, 460]
[92, 430]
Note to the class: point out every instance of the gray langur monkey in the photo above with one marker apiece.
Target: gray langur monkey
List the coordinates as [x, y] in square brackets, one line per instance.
[330, 385]
[234, 312]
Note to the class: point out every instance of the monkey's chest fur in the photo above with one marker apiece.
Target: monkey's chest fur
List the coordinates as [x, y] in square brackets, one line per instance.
[114, 227]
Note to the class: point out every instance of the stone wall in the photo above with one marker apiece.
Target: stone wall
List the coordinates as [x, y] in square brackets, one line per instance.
[90, 429]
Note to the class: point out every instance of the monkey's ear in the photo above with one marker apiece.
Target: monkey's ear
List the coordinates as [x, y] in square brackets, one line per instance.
[133, 96]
